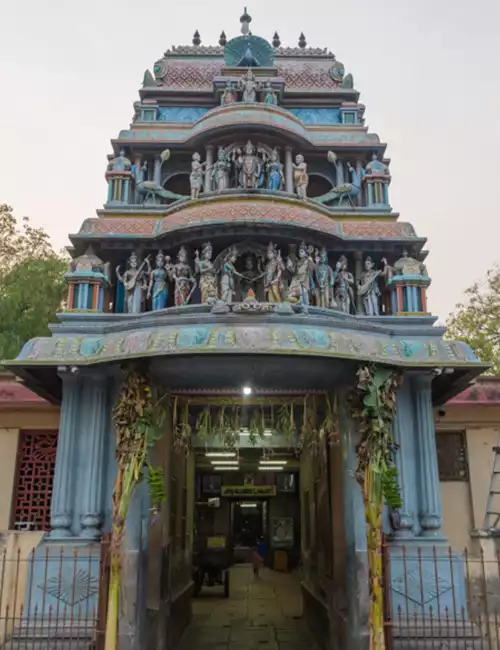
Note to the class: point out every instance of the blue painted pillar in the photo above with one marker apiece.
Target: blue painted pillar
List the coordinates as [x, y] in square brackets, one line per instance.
[157, 170]
[94, 428]
[340, 172]
[61, 516]
[370, 194]
[404, 457]
[430, 512]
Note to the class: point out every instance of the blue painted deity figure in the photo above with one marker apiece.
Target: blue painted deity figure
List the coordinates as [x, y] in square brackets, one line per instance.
[270, 95]
[274, 168]
[158, 287]
[135, 282]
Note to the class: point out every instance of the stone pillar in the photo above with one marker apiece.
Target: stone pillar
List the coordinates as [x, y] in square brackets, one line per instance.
[209, 158]
[404, 457]
[61, 516]
[157, 170]
[95, 414]
[138, 175]
[430, 513]
[358, 270]
[288, 170]
[359, 169]
[339, 165]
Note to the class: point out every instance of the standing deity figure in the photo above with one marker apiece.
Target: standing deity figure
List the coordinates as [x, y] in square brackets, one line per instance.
[274, 168]
[343, 286]
[300, 176]
[196, 176]
[250, 276]
[135, 281]
[208, 276]
[183, 278]
[368, 286]
[158, 288]
[270, 95]
[249, 87]
[324, 277]
[229, 95]
[228, 273]
[249, 167]
[220, 171]
[302, 270]
[120, 163]
[273, 275]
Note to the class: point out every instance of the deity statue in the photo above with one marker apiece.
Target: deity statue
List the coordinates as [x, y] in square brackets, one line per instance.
[184, 280]
[343, 286]
[300, 176]
[228, 273]
[274, 169]
[302, 271]
[196, 176]
[158, 288]
[208, 275]
[135, 281]
[324, 277]
[249, 167]
[120, 163]
[273, 275]
[250, 276]
[376, 166]
[229, 94]
[220, 171]
[270, 95]
[249, 87]
[368, 286]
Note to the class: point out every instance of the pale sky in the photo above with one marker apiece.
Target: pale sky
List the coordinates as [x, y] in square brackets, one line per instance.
[428, 72]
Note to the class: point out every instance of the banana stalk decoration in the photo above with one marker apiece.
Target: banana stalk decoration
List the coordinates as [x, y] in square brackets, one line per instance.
[374, 401]
[138, 422]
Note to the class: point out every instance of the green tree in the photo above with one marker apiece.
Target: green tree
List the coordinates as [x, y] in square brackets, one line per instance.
[31, 282]
[477, 320]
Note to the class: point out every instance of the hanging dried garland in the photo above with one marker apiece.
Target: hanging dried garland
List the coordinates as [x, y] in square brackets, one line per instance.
[303, 421]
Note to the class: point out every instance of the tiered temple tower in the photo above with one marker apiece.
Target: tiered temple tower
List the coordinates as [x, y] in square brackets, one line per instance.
[247, 238]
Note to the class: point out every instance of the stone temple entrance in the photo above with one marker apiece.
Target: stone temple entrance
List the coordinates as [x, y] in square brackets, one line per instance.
[264, 613]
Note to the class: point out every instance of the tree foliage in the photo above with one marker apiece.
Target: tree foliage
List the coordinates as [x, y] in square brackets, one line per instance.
[31, 282]
[477, 320]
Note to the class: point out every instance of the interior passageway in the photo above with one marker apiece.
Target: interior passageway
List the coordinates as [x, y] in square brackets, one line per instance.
[263, 612]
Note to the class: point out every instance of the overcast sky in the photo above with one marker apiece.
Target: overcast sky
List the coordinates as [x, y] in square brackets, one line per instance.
[428, 72]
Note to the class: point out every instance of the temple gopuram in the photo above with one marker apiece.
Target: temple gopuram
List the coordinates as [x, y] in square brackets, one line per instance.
[248, 257]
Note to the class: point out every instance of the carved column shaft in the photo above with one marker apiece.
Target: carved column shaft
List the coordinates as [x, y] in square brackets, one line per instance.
[404, 458]
[157, 170]
[359, 167]
[139, 174]
[288, 170]
[339, 165]
[209, 158]
[430, 512]
[94, 429]
[61, 516]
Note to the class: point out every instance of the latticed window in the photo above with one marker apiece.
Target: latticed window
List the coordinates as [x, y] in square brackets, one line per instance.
[452, 456]
[35, 478]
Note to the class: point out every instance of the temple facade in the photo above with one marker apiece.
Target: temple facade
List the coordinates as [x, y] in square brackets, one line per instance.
[248, 256]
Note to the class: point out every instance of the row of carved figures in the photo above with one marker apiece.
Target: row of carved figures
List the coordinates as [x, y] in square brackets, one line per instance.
[247, 167]
[263, 275]
[249, 87]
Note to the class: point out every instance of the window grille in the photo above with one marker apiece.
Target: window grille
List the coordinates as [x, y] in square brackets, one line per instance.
[452, 456]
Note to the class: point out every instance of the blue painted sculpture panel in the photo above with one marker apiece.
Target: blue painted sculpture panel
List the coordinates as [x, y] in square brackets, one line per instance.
[183, 114]
[317, 115]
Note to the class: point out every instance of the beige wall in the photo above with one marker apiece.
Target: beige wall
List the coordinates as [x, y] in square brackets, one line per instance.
[464, 502]
[11, 422]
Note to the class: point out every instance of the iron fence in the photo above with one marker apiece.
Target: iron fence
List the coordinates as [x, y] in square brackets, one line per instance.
[438, 598]
[52, 597]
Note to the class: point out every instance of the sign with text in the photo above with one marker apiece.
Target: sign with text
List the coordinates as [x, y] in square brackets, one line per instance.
[248, 491]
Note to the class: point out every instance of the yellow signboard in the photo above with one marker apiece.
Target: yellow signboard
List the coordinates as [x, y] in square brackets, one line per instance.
[248, 491]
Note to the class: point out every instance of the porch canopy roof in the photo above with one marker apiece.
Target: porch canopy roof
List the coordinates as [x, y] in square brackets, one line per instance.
[200, 349]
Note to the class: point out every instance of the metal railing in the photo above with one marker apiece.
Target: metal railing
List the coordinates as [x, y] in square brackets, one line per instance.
[52, 597]
[439, 598]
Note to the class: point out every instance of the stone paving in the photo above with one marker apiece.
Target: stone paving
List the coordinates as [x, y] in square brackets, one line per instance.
[262, 613]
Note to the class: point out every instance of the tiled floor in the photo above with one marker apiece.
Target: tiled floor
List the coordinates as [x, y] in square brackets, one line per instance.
[262, 613]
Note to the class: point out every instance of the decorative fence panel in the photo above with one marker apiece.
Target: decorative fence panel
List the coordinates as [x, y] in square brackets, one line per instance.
[54, 597]
[439, 599]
